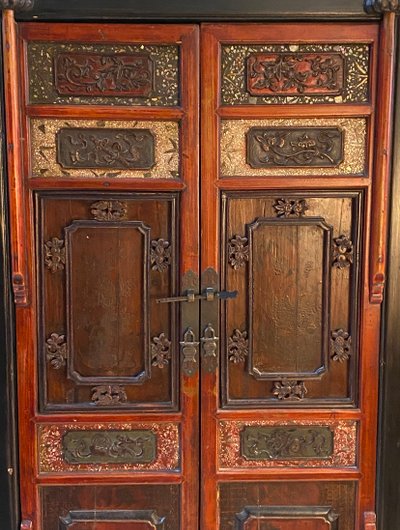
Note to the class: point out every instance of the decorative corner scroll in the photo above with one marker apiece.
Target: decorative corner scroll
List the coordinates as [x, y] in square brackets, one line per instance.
[160, 254]
[54, 257]
[343, 252]
[109, 210]
[290, 207]
[373, 7]
[369, 521]
[17, 5]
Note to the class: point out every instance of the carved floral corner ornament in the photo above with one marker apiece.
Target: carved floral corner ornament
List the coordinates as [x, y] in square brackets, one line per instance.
[160, 351]
[17, 5]
[238, 346]
[340, 345]
[56, 350]
[381, 6]
[160, 255]
[293, 390]
[54, 257]
[343, 252]
[106, 395]
[290, 207]
[238, 252]
[109, 210]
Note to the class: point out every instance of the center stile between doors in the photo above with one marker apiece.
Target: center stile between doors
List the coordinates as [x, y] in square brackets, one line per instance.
[198, 349]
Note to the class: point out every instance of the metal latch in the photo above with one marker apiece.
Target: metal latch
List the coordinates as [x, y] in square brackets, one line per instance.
[209, 295]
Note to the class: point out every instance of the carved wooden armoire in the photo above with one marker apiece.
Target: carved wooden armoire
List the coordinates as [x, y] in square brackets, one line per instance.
[198, 218]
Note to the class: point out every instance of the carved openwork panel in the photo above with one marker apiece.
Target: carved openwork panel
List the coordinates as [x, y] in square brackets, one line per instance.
[295, 73]
[285, 444]
[68, 448]
[103, 341]
[270, 505]
[290, 335]
[97, 74]
[294, 147]
[303, 147]
[91, 74]
[110, 507]
[107, 149]
[288, 314]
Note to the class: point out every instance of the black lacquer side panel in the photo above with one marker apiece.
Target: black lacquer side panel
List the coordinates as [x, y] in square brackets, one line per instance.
[194, 10]
[9, 502]
[389, 446]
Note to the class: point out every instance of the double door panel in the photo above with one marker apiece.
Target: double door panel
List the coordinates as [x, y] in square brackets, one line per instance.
[163, 359]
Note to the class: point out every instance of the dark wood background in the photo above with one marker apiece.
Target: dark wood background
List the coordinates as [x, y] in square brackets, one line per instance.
[199, 10]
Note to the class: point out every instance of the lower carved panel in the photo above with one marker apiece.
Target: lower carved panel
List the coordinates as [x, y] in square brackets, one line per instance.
[108, 447]
[132, 507]
[306, 444]
[287, 505]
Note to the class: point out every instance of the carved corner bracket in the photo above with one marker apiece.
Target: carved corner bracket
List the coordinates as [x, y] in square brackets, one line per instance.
[17, 5]
[373, 7]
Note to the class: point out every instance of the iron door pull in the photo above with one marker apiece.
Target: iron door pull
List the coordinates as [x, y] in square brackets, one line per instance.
[209, 295]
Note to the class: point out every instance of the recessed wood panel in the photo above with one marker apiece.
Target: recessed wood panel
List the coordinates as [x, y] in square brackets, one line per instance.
[289, 283]
[318, 505]
[104, 341]
[289, 336]
[103, 74]
[108, 300]
[140, 507]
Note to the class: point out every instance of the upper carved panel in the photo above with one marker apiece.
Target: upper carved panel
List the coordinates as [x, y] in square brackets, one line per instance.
[103, 74]
[381, 6]
[305, 73]
[282, 147]
[91, 74]
[295, 73]
[108, 149]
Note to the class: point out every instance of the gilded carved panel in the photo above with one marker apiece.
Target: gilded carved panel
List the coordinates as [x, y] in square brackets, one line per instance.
[95, 74]
[303, 147]
[284, 445]
[295, 74]
[104, 149]
[98, 447]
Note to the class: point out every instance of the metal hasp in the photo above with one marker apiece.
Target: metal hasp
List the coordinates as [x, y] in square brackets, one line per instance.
[209, 294]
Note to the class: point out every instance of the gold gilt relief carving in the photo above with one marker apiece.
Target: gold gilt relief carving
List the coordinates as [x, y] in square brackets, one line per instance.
[104, 149]
[235, 140]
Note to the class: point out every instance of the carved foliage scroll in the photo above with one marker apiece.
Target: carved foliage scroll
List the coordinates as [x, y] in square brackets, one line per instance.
[91, 74]
[108, 446]
[295, 73]
[294, 147]
[105, 148]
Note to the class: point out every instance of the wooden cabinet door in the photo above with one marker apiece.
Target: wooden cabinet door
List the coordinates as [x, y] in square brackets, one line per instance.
[289, 418]
[117, 317]
[104, 208]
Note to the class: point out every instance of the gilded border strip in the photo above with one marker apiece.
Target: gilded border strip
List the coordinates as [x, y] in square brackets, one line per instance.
[51, 458]
[344, 445]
